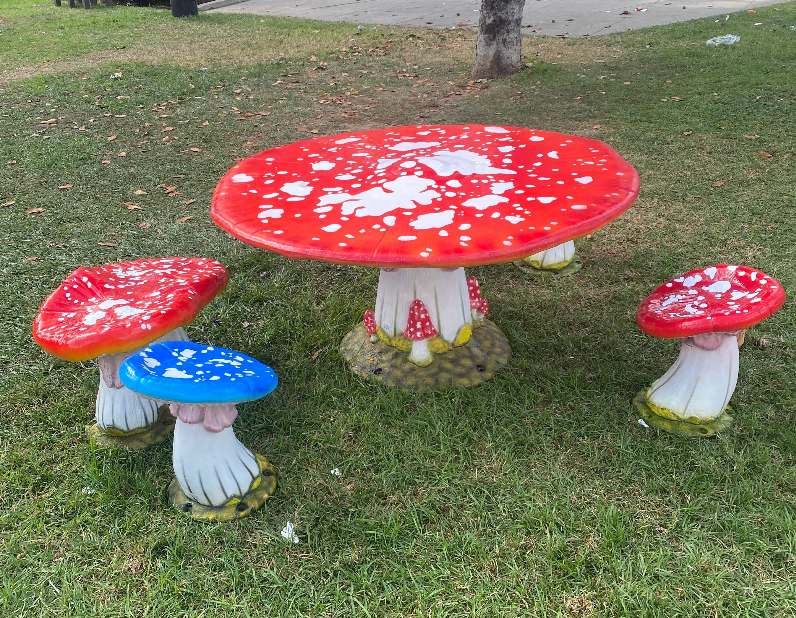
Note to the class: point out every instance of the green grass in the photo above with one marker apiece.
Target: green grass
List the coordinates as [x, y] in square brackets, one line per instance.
[536, 494]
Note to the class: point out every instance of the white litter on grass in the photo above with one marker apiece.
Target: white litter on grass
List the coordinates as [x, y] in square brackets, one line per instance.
[335, 472]
[642, 423]
[289, 533]
[87, 491]
[727, 39]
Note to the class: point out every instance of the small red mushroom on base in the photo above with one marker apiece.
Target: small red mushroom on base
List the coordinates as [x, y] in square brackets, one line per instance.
[420, 329]
[705, 310]
[479, 307]
[370, 325]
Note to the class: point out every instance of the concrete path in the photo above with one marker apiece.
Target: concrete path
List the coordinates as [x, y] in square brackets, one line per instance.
[572, 18]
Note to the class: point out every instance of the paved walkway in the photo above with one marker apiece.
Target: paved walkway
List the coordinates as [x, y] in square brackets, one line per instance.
[573, 18]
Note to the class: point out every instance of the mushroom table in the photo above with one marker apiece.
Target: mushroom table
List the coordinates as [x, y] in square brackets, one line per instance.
[422, 203]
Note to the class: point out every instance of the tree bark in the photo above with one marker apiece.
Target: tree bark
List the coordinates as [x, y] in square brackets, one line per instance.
[498, 51]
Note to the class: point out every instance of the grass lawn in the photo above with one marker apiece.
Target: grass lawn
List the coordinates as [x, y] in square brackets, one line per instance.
[536, 494]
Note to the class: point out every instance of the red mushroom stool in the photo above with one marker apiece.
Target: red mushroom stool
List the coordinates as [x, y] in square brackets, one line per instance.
[109, 313]
[707, 310]
[422, 203]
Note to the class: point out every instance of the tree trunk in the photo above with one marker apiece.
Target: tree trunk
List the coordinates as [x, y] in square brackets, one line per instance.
[499, 48]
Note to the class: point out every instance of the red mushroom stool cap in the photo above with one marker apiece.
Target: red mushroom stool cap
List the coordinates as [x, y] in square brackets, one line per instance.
[717, 299]
[125, 306]
[419, 325]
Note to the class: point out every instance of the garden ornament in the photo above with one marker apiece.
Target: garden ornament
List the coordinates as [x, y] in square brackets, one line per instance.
[707, 310]
[112, 311]
[421, 203]
[217, 478]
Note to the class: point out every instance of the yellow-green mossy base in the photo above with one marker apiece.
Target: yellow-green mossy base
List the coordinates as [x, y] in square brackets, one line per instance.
[263, 488]
[468, 365]
[136, 440]
[681, 428]
[570, 269]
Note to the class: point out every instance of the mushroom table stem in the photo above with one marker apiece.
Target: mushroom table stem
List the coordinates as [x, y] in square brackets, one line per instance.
[120, 411]
[444, 293]
[212, 467]
[698, 387]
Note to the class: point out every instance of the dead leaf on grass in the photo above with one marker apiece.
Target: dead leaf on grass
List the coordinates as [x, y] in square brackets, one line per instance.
[196, 150]
[111, 138]
[8, 203]
[30, 259]
[33, 211]
[131, 206]
[166, 129]
[122, 154]
[50, 121]
[108, 244]
[301, 129]
[687, 132]
[65, 186]
[144, 224]
[184, 219]
[751, 136]
[718, 183]
[189, 202]
[106, 161]
[765, 155]
[140, 192]
[316, 354]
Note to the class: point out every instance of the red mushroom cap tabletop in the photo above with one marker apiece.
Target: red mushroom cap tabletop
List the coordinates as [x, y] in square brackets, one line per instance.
[424, 196]
[717, 299]
[122, 307]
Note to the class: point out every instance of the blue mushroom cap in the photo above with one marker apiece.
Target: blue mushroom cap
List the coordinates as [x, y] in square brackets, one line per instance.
[187, 372]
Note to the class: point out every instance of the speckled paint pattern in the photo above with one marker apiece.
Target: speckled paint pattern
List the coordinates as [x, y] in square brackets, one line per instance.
[124, 306]
[186, 372]
[424, 196]
[715, 299]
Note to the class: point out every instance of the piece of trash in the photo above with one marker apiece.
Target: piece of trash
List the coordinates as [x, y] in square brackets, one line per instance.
[289, 533]
[642, 423]
[727, 39]
[335, 472]
[245, 324]
[116, 76]
[87, 491]
[360, 27]
[641, 9]
[760, 23]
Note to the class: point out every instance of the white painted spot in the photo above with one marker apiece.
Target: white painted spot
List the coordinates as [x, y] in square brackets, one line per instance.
[299, 188]
[689, 282]
[433, 220]
[454, 183]
[553, 154]
[465, 226]
[506, 148]
[347, 140]
[405, 238]
[546, 200]
[537, 138]
[389, 221]
[447, 162]
[408, 164]
[407, 146]
[514, 219]
[126, 312]
[385, 163]
[711, 272]
[172, 372]
[484, 202]
[273, 213]
[323, 165]
[323, 209]
[93, 317]
[496, 130]
[719, 287]
[584, 180]
[332, 228]
[242, 178]
[578, 207]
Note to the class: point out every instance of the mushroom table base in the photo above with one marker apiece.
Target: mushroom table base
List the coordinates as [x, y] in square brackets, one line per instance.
[262, 489]
[468, 365]
[134, 440]
[681, 427]
[560, 260]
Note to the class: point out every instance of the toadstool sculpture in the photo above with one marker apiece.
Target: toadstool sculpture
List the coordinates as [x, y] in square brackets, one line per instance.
[559, 260]
[112, 311]
[422, 203]
[217, 478]
[419, 330]
[706, 310]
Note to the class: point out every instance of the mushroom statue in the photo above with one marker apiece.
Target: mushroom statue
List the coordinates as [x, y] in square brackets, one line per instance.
[112, 311]
[422, 203]
[707, 310]
[217, 478]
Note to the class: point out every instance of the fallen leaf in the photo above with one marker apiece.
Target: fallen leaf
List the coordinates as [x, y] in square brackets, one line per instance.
[189, 202]
[8, 203]
[169, 189]
[30, 259]
[111, 138]
[140, 192]
[316, 354]
[718, 183]
[184, 219]
[758, 97]
[33, 211]
[676, 99]
[50, 121]
[131, 206]
[166, 129]
[751, 136]
[301, 129]
[122, 154]
[765, 155]
[60, 246]
[196, 150]
[65, 187]
[108, 244]
[144, 224]
[106, 161]
[687, 132]
[751, 11]
[179, 176]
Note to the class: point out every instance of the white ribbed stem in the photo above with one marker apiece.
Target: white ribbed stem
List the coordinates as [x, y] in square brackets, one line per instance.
[443, 292]
[118, 407]
[420, 354]
[555, 257]
[212, 467]
[700, 383]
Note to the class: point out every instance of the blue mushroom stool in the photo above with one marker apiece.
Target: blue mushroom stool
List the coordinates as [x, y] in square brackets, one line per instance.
[217, 478]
